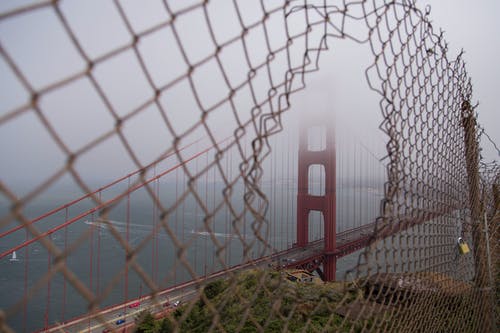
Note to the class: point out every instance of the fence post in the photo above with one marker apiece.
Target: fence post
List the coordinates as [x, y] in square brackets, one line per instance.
[493, 228]
[472, 164]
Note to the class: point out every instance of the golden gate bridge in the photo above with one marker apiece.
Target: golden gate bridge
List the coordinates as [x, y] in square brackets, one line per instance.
[215, 243]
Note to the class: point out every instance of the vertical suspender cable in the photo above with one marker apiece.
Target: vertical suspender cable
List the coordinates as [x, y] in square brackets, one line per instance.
[99, 231]
[214, 220]
[375, 185]
[183, 217]
[230, 229]
[354, 187]
[361, 186]
[196, 236]
[322, 187]
[153, 229]
[47, 304]
[157, 231]
[26, 260]
[281, 192]
[370, 186]
[90, 259]
[342, 178]
[287, 193]
[244, 203]
[210, 211]
[294, 197]
[91, 254]
[226, 212]
[127, 220]
[360, 203]
[284, 184]
[343, 185]
[64, 278]
[362, 194]
[273, 199]
[277, 199]
[338, 184]
[176, 224]
[367, 184]
[207, 208]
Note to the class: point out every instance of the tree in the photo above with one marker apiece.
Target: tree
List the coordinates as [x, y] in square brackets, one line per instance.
[166, 326]
[145, 323]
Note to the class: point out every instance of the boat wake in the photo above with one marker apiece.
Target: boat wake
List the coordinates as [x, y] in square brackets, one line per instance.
[216, 234]
[120, 226]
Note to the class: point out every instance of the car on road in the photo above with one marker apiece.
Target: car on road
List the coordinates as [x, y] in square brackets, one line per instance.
[134, 305]
[120, 321]
[176, 303]
[287, 260]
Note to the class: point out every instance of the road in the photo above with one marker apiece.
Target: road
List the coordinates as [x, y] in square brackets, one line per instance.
[108, 317]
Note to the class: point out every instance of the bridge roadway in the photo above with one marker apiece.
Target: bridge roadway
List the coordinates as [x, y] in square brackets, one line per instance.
[347, 242]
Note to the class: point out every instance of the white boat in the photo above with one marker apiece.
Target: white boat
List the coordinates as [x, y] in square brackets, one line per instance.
[14, 257]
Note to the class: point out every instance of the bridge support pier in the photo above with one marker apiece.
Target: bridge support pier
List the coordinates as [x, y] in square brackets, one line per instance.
[326, 204]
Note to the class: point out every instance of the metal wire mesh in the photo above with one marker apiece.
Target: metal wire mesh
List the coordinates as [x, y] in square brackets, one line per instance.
[235, 85]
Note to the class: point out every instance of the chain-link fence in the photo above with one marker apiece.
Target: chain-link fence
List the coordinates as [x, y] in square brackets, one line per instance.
[200, 89]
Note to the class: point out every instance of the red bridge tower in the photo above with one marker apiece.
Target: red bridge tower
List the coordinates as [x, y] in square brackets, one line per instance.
[326, 204]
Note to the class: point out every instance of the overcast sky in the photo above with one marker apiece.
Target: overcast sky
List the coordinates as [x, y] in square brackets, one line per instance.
[474, 27]
[38, 44]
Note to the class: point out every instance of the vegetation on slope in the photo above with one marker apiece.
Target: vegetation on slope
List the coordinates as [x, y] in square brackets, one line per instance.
[259, 301]
[266, 301]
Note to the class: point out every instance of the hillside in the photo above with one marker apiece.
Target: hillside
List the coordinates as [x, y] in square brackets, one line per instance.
[268, 301]
[260, 301]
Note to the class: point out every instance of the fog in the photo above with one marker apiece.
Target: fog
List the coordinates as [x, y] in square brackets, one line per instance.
[120, 107]
[472, 27]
